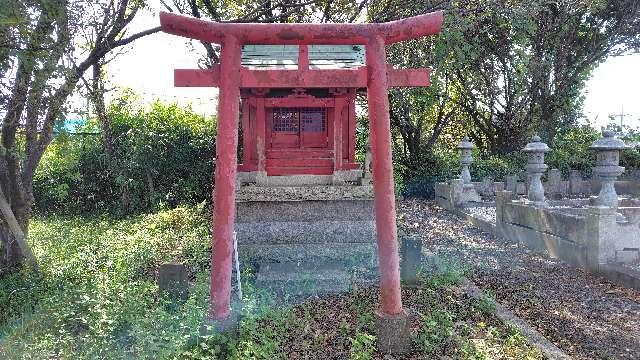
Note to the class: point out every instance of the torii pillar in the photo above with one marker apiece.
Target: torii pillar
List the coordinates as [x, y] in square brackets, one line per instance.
[377, 76]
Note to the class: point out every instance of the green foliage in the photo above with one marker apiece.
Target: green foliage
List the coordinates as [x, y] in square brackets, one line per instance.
[571, 150]
[444, 166]
[497, 167]
[485, 304]
[435, 167]
[437, 329]
[96, 296]
[363, 346]
[162, 156]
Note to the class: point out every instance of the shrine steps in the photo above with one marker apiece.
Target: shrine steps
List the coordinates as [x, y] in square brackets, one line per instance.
[316, 276]
[307, 240]
[303, 281]
[348, 255]
[290, 211]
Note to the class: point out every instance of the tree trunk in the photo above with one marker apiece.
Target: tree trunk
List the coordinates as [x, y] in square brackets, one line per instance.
[97, 94]
[14, 238]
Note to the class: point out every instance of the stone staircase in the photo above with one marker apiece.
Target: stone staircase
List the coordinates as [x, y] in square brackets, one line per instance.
[308, 245]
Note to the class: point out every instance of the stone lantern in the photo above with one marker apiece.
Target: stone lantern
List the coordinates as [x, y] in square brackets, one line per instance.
[469, 192]
[607, 159]
[535, 168]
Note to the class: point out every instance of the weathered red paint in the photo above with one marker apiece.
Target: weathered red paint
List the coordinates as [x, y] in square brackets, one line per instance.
[409, 77]
[225, 179]
[260, 135]
[301, 102]
[383, 187]
[302, 34]
[303, 58]
[337, 132]
[345, 78]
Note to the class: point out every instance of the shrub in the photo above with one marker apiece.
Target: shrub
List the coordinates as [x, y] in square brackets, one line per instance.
[162, 157]
[570, 150]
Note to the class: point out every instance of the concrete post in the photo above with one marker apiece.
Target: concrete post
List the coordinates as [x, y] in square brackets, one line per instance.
[366, 171]
[535, 167]
[511, 184]
[600, 243]
[502, 198]
[393, 329]
[225, 180]
[411, 259]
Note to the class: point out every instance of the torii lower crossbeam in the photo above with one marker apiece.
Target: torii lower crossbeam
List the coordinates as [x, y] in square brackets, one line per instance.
[348, 78]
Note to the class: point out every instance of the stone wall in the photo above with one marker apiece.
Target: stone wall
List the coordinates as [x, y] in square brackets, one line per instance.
[555, 187]
[590, 240]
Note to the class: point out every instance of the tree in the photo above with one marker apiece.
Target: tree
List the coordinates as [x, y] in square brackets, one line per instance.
[524, 65]
[419, 116]
[515, 67]
[46, 57]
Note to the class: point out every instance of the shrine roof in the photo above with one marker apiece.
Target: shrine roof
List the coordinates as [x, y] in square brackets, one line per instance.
[286, 56]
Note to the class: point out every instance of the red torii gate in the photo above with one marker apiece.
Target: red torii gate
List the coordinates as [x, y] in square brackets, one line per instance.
[230, 76]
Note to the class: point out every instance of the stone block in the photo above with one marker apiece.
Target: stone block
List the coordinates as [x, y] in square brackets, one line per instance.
[411, 255]
[350, 254]
[229, 326]
[173, 279]
[557, 247]
[299, 232]
[575, 182]
[511, 184]
[627, 256]
[486, 187]
[304, 211]
[346, 176]
[393, 333]
[547, 221]
[302, 193]
[554, 185]
[304, 279]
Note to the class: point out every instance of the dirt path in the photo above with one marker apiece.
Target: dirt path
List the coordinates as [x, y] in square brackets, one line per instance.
[585, 315]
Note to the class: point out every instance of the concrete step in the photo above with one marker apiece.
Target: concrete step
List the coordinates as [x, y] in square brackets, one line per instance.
[305, 211]
[299, 232]
[362, 255]
[303, 280]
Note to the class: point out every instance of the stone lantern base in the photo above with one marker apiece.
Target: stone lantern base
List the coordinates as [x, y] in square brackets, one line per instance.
[469, 193]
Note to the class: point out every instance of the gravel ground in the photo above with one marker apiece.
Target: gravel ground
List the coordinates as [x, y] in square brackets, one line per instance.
[585, 315]
[634, 266]
[485, 213]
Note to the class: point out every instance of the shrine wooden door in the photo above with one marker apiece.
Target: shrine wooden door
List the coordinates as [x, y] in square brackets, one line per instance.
[313, 128]
[285, 128]
[298, 128]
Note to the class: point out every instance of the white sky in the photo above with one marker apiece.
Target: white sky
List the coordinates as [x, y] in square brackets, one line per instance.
[147, 68]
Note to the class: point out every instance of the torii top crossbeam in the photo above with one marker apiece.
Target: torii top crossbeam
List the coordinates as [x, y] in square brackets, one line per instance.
[302, 34]
[230, 76]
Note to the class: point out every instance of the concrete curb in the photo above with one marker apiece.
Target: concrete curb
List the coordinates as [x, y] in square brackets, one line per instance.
[548, 349]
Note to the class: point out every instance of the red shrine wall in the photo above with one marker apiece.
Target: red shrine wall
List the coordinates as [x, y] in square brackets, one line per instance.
[293, 132]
